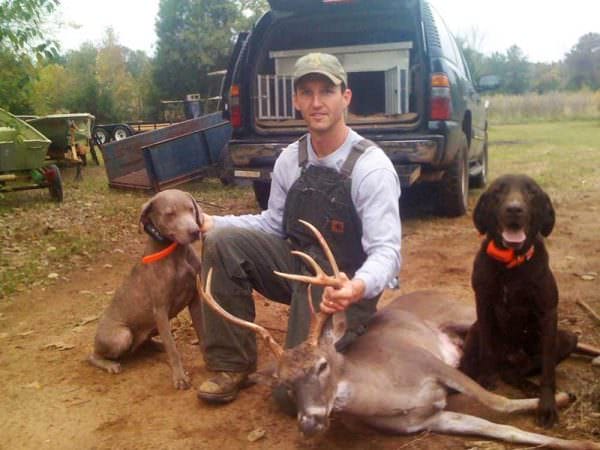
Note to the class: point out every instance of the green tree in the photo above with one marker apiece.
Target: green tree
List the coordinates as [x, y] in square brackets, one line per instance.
[194, 38]
[517, 74]
[145, 102]
[84, 89]
[513, 69]
[470, 43]
[21, 26]
[49, 90]
[16, 73]
[583, 63]
[115, 83]
[547, 77]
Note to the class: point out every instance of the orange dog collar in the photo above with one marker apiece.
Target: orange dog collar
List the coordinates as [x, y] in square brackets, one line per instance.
[507, 255]
[153, 257]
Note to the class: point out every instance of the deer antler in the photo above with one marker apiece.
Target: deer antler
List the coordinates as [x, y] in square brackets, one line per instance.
[320, 278]
[262, 332]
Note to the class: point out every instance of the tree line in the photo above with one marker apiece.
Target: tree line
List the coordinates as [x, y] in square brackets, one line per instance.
[194, 37]
[579, 69]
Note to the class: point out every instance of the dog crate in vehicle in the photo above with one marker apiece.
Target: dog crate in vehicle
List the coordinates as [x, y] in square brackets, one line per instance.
[378, 75]
[275, 94]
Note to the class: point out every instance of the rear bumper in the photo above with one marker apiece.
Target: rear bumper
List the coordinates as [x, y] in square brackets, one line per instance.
[255, 161]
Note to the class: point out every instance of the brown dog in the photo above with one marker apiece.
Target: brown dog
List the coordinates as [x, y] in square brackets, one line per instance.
[516, 295]
[159, 286]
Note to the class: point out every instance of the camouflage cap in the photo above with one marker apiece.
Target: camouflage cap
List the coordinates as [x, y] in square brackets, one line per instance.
[322, 63]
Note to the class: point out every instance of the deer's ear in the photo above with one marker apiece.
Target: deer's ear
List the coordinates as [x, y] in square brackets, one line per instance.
[339, 325]
[334, 329]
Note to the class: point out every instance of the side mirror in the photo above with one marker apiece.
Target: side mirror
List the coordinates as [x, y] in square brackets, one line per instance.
[489, 82]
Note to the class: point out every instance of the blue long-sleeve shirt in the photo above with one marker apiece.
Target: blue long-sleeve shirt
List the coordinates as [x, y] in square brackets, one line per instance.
[375, 194]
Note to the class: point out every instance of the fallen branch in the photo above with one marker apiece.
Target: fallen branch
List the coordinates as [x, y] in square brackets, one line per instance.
[205, 202]
[589, 309]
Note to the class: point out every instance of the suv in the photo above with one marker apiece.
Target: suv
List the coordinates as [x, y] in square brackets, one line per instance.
[412, 92]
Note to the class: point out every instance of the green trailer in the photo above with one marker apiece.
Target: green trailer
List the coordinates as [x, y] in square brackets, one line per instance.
[70, 135]
[23, 158]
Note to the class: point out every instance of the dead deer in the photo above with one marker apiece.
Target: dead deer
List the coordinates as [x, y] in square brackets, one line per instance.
[396, 376]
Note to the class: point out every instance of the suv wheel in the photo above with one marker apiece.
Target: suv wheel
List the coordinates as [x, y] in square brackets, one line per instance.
[454, 186]
[481, 179]
[262, 189]
[226, 167]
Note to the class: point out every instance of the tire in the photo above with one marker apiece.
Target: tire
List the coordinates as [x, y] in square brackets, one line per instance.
[121, 132]
[102, 135]
[454, 187]
[226, 167]
[481, 179]
[55, 186]
[262, 190]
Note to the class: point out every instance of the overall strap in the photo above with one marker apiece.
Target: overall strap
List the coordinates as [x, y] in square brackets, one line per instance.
[357, 150]
[303, 151]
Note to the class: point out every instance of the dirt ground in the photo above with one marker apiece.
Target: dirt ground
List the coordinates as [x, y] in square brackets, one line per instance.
[52, 398]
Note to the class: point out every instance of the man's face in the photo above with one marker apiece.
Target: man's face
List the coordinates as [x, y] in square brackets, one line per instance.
[321, 103]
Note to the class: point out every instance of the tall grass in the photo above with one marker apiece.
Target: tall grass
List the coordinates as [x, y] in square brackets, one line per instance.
[551, 106]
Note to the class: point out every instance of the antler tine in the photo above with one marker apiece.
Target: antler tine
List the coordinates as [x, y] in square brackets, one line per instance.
[317, 321]
[320, 277]
[262, 332]
[324, 246]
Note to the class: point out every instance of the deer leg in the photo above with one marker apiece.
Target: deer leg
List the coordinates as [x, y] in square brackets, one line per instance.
[457, 423]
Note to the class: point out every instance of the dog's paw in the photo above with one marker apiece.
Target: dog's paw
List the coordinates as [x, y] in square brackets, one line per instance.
[182, 381]
[547, 417]
[113, 367]
[547, 412]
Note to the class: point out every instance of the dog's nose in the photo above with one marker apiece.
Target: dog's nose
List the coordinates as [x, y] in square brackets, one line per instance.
[514, 208]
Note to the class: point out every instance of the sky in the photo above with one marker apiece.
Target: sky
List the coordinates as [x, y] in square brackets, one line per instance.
[544, 30]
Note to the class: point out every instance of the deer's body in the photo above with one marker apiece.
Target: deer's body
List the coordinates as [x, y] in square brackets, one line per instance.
[399, 355]
[396, 376]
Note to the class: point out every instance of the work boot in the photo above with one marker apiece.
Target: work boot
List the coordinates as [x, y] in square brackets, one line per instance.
[223, 387]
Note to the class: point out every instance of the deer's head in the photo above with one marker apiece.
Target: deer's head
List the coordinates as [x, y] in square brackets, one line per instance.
[310, 371]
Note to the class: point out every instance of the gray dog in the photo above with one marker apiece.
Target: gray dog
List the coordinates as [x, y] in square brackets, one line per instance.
[159, 286]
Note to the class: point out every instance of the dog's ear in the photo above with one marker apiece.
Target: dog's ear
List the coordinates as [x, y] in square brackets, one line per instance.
[482, 215]
[197, 211]
[146, 210]
[545, 212]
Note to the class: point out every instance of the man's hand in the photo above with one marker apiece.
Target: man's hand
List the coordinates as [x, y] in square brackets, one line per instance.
[335, 300]
[207, 223]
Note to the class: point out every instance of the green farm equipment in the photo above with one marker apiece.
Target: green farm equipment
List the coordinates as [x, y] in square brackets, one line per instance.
[23, 159]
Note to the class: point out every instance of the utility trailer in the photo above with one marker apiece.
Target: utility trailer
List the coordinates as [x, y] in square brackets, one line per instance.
[168, 156]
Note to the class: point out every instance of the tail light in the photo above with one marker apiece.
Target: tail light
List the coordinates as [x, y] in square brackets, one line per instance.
[441, 104]
[235, 110]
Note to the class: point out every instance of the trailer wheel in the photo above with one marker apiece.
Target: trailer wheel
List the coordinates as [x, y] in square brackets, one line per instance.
[120, 132]
[54, 180]
[101, 134]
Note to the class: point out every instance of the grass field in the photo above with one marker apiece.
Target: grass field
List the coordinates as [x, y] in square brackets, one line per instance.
[560, 155]
[551, 106]
[40, 239]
